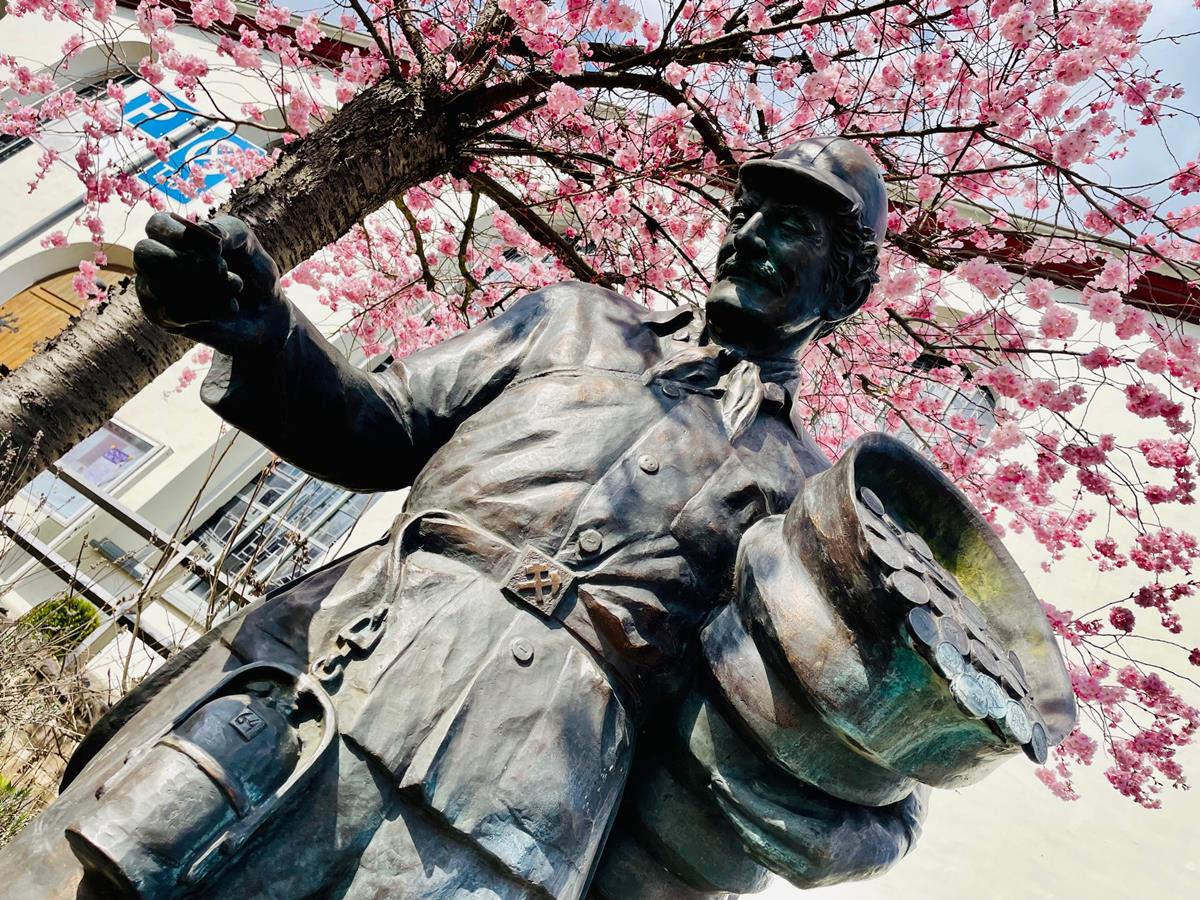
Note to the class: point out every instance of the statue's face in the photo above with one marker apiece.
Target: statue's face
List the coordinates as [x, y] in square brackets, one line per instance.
[771, 280]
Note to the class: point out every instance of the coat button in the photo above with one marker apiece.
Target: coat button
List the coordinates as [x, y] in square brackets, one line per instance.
[670, 390]
[648, 463]
[590, 540]
[522, 651]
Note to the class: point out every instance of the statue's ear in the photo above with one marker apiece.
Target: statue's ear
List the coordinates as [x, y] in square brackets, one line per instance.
[854, 270]
[844, 303]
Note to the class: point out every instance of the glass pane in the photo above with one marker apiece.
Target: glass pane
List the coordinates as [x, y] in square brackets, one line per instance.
[339, 523]
[54, 496]
[283, 477]
[268, 498]
[311, 503]
[106, 455]
[277, 548]
[101, 459]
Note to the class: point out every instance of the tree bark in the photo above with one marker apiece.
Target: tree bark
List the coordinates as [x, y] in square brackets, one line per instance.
[389, 138]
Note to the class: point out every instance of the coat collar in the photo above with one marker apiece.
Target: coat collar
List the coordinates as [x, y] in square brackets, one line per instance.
[685, 326]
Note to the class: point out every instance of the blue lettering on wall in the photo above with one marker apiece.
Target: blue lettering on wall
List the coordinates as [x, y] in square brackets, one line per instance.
[180, 161]
[158, 118]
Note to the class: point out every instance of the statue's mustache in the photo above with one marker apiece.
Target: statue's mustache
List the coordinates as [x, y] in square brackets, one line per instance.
[761, 269]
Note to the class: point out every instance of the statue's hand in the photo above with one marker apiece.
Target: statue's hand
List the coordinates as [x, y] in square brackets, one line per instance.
[221, 292]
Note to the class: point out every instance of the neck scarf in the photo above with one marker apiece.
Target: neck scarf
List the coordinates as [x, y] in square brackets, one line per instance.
[742, 384]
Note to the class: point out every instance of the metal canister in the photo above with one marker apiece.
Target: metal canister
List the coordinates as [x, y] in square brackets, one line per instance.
[170, 802]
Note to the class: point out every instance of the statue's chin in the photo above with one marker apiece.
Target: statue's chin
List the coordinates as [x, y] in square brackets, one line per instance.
[743, 315]
[734, 326]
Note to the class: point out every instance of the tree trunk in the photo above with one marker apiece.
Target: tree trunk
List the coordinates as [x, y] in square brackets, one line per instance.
[382, 142]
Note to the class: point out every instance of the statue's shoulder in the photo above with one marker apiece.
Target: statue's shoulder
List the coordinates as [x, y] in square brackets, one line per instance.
[578, 302]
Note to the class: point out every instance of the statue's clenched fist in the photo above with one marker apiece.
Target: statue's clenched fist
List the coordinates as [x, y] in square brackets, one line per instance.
[219, 288]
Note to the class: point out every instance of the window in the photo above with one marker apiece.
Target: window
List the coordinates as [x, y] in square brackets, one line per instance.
[43, 310]
[277, 527]
[103, 460]
[12, 144]
[967, 399]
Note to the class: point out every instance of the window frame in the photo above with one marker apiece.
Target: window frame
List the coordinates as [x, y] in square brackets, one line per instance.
[949, 395]
[86, 88]
[247, 526]
[36, 507]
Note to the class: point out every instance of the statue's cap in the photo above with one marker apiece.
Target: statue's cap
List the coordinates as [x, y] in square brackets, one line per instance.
[844, 170]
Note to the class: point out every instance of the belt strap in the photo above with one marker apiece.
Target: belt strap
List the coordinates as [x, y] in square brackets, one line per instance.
[526, 575]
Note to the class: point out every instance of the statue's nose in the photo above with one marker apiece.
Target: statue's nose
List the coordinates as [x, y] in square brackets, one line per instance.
[749, 236]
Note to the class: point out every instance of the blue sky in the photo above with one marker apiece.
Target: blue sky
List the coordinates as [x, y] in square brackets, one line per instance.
[1150, 154]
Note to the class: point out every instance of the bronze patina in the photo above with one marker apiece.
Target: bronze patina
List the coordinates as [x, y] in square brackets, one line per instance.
[633, 637]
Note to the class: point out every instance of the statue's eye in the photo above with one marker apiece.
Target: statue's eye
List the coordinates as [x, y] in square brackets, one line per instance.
[798, 225]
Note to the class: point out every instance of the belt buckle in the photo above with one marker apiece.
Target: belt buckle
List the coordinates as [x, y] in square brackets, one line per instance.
[537, 580]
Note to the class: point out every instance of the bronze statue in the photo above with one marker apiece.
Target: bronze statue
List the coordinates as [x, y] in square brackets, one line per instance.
[632, 636]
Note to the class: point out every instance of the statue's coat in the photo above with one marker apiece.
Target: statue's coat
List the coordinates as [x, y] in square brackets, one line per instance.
[535, 427]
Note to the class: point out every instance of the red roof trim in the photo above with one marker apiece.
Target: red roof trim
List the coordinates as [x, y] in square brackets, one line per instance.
[1155, 292]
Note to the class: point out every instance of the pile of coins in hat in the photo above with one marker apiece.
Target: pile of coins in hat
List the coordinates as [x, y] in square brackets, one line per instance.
[987, 680]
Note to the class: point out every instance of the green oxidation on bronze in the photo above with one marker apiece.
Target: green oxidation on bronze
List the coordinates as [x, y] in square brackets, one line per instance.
[453, 650]
[774, 816]
[914, 726]
[973, 564]
[685, 830]
[884, 695]
[786, 725]
[966, 547]
[908, 719]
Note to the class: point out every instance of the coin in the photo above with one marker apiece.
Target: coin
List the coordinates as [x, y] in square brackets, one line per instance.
[975, 619]
[998, 648]
[970, 693]
[889, 552]
[947, 581]
[871, 499]
[937, 595]
[1016, 722]
[1037, 749]
[909, 586]
[1018, 669]
[997, 700]
[947, 606]
[875, 527]
[948, 660]
[891, 524]
[922, 626]
[953, 632]
[1008, 676]
[985, 659]
[917, 545]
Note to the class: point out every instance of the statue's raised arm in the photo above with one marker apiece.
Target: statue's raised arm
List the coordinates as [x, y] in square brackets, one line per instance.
[275, 377]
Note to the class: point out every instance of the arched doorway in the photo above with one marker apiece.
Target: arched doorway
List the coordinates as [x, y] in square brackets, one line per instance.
[42, 310]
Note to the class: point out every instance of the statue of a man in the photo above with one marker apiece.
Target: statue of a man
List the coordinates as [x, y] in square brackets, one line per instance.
[582, 470]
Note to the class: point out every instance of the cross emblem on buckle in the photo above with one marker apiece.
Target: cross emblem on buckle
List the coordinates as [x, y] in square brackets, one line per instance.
[537, 580]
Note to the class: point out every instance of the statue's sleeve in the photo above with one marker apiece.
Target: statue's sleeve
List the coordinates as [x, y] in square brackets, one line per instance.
[369, 432]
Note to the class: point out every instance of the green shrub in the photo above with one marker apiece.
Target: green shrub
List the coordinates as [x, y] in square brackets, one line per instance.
[62, 623]
[16, 808]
